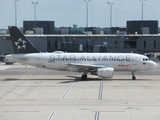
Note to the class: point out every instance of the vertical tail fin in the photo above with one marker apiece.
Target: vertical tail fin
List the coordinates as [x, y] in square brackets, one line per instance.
[20, 43]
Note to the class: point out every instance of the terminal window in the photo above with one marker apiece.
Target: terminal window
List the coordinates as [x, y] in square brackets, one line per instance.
[130, 44]
[144, 44]
[154, 45]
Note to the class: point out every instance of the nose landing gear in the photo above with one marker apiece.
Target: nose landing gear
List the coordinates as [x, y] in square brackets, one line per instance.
[133, 75]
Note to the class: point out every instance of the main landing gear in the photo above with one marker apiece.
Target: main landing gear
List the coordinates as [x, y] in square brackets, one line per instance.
[84, 76]
[133, 75]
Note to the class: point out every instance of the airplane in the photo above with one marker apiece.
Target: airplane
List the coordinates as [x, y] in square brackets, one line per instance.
[101, 64]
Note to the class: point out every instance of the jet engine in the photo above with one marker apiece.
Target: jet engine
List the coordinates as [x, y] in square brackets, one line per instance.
[105, 72]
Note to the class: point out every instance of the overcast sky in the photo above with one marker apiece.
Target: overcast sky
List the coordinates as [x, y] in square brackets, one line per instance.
[68, 12]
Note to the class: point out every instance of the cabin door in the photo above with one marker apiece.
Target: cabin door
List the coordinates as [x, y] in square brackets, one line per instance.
[40, 60]
[134, 60]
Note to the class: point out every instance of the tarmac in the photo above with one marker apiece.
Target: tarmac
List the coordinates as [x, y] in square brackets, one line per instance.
[30, 93]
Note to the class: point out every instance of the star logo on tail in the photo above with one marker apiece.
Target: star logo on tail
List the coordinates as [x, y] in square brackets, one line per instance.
[21, 44]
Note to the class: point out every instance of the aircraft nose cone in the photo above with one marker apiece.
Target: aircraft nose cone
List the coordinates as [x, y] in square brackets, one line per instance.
[154, 65]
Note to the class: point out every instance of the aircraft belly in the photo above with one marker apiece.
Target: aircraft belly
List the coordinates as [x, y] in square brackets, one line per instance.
[63, 66]
[40, 60]
[32, 61]
[53, 66]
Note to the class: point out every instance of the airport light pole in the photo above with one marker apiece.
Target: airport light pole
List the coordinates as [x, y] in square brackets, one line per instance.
[16, 11]
[35, 3]
[87, 13]
[142, 1]
[110, 16]
[87, 21]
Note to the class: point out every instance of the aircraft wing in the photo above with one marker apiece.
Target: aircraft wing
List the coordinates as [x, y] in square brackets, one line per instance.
[84, 67]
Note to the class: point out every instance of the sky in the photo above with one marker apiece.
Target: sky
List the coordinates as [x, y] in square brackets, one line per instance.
[65, 13]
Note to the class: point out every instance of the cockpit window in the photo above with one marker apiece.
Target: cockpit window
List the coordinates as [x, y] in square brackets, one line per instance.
[145, 59]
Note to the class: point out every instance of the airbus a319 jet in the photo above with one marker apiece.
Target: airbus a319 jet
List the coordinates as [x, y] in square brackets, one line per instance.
[101, 64]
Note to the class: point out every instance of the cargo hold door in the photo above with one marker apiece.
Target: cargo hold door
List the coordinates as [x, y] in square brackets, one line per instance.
[40, 60]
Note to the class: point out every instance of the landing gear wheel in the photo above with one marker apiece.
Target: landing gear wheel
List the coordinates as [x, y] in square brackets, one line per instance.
[133, 75]
[84, 77]
[133, 78]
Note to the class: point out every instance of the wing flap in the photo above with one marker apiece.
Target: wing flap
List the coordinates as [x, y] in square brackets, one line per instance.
[83, 67]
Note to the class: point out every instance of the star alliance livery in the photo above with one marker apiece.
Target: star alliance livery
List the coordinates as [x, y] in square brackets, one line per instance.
[101, 64]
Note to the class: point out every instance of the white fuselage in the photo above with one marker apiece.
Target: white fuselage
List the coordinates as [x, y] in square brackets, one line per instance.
[61, 61]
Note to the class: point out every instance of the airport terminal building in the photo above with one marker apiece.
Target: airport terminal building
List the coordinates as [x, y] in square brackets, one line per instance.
[91, 43]
[130, 41]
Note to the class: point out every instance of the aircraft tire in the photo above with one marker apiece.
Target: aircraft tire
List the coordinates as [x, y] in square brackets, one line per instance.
[84, 77]
[133, 78]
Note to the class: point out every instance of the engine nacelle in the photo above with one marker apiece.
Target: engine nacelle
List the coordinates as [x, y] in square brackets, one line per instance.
[105, 72]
